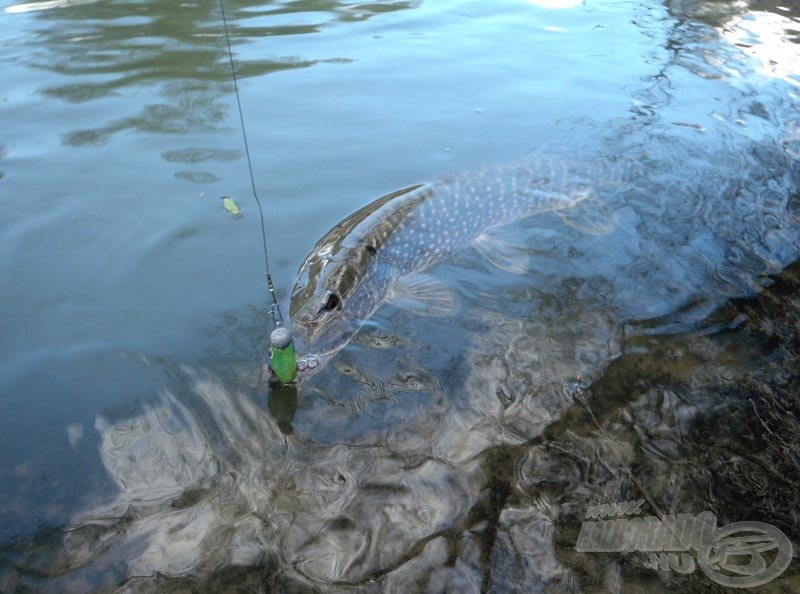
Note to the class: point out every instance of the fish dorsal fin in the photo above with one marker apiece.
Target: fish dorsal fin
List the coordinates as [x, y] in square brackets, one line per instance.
[502, 249]
[423, 294]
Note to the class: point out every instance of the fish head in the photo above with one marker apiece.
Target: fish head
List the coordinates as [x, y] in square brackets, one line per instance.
[336, 291]
[345, 278]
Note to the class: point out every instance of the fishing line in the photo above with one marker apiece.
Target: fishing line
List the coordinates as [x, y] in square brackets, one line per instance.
[282, 358]
[275, 309]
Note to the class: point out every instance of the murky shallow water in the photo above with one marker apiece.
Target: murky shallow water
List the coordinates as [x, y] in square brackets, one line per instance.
[142, 453]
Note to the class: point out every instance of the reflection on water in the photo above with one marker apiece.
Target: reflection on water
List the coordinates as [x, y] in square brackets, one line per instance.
[486, 494]
[46, 5]
[120, 45]
[771, 38]
[210, 483]
[461, 454]
[464, 463]
[766, 31]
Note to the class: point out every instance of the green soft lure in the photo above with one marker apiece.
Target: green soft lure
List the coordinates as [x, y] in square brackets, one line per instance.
[282, 358]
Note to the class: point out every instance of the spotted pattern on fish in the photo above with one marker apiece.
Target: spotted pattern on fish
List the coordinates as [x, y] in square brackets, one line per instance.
[350, 272]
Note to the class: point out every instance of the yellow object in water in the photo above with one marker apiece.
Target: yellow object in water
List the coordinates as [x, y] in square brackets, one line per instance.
[231, 206]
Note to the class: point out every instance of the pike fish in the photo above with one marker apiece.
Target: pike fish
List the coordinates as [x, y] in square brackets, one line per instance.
[380, 253]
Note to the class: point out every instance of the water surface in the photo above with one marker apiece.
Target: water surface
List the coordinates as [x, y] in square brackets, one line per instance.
[141, 452]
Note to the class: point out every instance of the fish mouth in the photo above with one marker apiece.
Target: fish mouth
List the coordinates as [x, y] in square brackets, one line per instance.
[314, 352]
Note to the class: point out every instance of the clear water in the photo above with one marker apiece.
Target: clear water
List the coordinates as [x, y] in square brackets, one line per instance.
[141, 451]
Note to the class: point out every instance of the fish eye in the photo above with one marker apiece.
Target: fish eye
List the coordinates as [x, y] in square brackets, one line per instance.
[331, 301]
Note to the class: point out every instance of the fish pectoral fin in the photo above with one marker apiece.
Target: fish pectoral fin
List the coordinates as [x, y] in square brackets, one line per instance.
[590, 215]
[502, 249]
[423, 294]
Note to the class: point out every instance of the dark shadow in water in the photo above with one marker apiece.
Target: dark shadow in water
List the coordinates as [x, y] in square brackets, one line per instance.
[282, 405]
